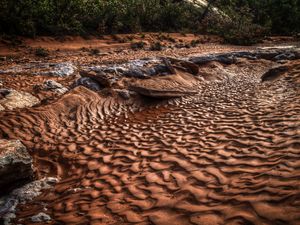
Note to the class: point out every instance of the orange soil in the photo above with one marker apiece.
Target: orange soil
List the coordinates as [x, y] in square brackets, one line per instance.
[106, 42]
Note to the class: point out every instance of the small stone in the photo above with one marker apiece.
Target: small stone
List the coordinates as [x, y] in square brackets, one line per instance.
[54, 86]
[125, 94]
[41, 217]
[4, 92]
[103, 53]
[88, 83]
[104, 79]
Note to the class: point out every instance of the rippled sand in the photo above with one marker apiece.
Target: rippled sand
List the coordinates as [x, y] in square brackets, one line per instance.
[226, 155]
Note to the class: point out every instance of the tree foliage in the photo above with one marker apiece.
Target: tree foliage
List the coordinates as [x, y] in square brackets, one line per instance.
[55, 17]
[279, 16]
[31, 17]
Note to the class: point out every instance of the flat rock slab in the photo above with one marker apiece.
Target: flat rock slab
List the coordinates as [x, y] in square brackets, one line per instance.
[15, 164]
[170, 86]
[17, 99]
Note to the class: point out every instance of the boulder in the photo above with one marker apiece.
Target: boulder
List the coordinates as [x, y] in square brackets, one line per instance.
[15, 164]
[12, 99]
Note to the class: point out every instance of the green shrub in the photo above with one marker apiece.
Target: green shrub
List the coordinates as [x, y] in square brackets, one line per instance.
[237, 27]
[41, 52]
[61, 17]
[156, 46]
[194, 43]
[95, 51]
[137, 45]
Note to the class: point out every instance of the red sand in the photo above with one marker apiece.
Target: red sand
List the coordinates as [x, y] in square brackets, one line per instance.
[227, 155]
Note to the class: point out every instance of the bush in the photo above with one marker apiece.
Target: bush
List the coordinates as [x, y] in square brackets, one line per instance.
[61, 17]
[95, 51]
[137, 45]
[236, 28]
[194, 43]
[156, 46]
[41, 52]
[32, 18]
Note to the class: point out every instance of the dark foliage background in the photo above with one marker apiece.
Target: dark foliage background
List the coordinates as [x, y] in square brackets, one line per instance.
[240, 21]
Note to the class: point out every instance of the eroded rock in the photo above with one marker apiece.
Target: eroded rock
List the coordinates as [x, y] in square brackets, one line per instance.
[15, 164]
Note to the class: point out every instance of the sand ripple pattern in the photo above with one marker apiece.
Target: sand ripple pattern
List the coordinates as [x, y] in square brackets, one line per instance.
[227, 155]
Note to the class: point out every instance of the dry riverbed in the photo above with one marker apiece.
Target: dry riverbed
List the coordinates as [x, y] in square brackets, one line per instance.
[204, 134]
